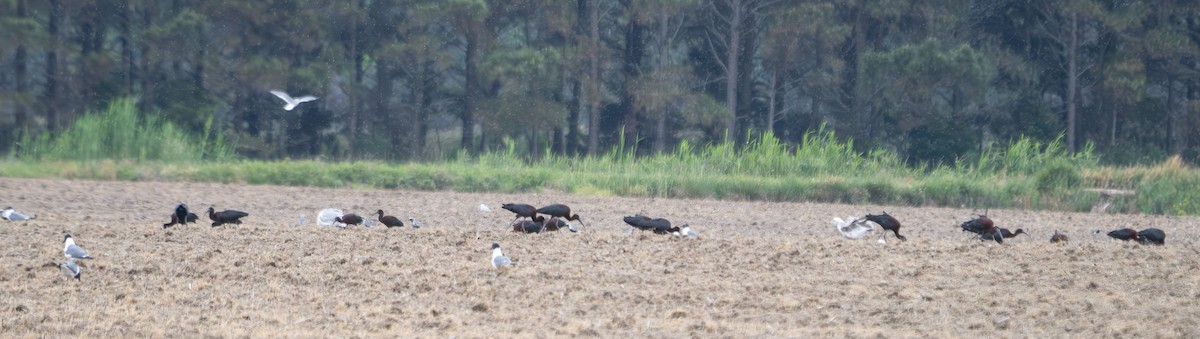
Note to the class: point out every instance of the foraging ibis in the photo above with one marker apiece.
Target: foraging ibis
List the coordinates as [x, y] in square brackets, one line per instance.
[1124, 234]
[1152, 236]
[499, 261]
[528, 226]
[556, 224]
[73, 251]
[979, 225]
[226, 217]
[559, 210]
[887, 223]
[389, 221]
[70, 269]
[658, 225]
[290, 102]
[1058, 238]
[1007, 234]
[190, 217]
[522, 210]
[11, 214]
[181, 216]
[851, 228]
[349, 219]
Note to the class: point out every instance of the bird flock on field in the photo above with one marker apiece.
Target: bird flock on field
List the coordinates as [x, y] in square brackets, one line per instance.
[556, 217]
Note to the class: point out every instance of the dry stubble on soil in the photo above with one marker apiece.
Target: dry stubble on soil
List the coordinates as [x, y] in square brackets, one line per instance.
[759, 269]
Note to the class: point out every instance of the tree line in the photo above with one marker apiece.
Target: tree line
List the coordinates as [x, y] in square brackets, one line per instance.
[932, 80]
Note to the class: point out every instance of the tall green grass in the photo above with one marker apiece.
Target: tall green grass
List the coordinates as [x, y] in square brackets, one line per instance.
[120, 132]
[1023, 173]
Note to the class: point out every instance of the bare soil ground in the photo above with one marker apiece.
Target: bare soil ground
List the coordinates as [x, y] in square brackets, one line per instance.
[759, 269]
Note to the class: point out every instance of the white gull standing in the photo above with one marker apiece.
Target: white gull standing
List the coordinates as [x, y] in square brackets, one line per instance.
[292, 102]
[498, 259]
[72, 251]
[70, 269]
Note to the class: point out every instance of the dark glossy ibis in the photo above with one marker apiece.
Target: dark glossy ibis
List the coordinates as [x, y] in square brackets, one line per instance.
[1007, 234]
[527, 226]
[658, 225]
[986, 229]
[1152, 236]
[190, 217]
[888, 223]
[979, 225]
[557, 224]
[181, 213]
[1124, 234]
[226, 217]
[349, 219]
[1058, 238]
[561, 211]
[522, 210]
[389, 221]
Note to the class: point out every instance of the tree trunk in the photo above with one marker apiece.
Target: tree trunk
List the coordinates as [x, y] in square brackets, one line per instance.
[594, 81]
[21, 72]
[51, 95]
[126, 21]
[632, 64]
[383, 92]
[1072, 79]
[573, 107]
[773, 88]
[470, 90]
[731, 63]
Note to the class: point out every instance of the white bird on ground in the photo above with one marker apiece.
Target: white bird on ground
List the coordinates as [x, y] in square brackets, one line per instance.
[70, 269]
[498, 259]
[292, 102]
[72, 251]
[685, 231]
[484, 208]
[415, 223]
[852, 228]
[11, 214]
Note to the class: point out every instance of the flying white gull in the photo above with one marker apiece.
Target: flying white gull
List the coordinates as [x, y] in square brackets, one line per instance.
[12, 215]
[70, 269]
[72, 251]
[415, 223]
[498, 258]
[292, 102]
[851, 228]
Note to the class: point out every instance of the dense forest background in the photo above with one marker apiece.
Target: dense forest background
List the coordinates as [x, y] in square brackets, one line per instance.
[409, 80]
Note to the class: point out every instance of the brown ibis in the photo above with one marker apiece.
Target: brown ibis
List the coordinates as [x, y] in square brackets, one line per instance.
[658, 225]
[1124, 234]
[175, 220]
[226, 217]
[389, 221]
[559, 210]
[985, 228]
[1008, 234]
[349, 219]
[1152, 236]
[1058, 238]
[522, 210]
[888, 223]
[527, 226]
